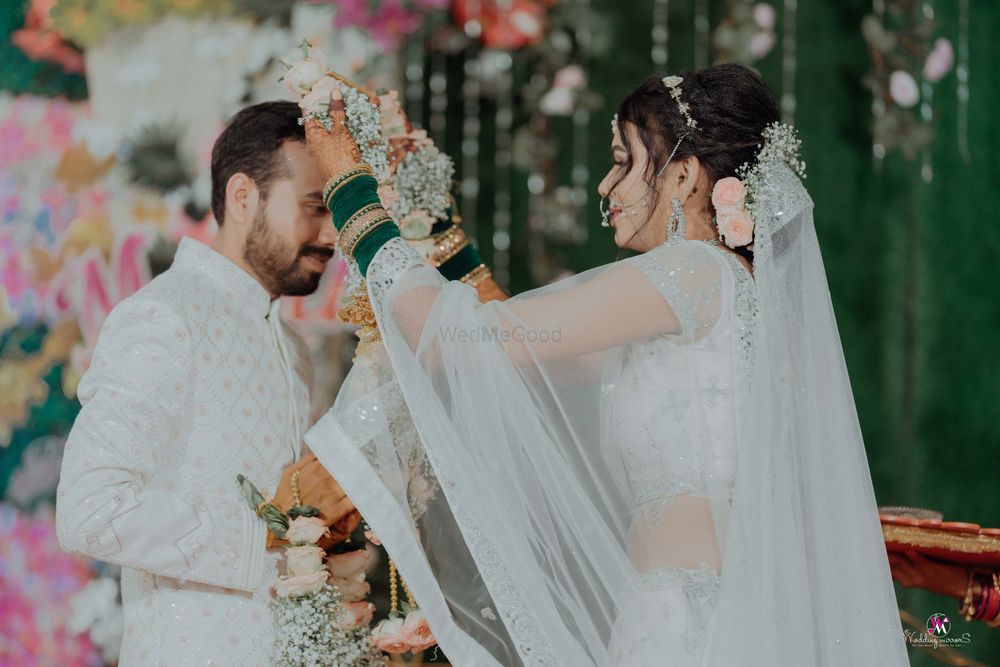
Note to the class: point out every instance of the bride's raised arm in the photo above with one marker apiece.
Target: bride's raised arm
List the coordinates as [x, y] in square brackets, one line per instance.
[670, 290]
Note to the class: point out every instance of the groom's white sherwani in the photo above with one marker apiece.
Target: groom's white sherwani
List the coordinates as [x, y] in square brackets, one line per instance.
[195, 379]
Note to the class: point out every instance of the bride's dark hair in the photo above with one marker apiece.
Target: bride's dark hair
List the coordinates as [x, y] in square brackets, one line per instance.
[731, 105]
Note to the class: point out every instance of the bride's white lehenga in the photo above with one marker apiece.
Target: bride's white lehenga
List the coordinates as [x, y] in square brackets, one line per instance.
[654, 462]
[672, 412]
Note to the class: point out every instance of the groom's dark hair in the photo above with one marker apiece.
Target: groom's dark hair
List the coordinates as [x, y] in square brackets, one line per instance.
[250, 145]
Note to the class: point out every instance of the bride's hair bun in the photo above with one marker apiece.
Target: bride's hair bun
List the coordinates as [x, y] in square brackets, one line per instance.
[730, 103]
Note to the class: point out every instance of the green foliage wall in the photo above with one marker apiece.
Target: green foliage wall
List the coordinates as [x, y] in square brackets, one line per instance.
[911, 266]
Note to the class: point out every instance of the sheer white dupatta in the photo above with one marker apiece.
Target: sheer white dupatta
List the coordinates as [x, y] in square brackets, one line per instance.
[473, 445]
[806, 578]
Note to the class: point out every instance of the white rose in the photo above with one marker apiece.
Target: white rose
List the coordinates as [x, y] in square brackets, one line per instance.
[304, 560]
[304, 75]
[305, 530]
[317, 101]
[306, 584]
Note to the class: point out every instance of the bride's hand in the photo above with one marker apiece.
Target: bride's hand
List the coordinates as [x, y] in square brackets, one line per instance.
[334, 150]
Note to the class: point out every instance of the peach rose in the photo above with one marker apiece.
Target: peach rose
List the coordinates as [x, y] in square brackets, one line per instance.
[306, 584]
[391, 115]
[305, 530]
[304, 560]
[387, 636]
[352, 589]
[417, 632]
[373, 538]
[736, 227]
[388, 196]
[416, 225]
[728, 192]
[356, 615]
[351, 565]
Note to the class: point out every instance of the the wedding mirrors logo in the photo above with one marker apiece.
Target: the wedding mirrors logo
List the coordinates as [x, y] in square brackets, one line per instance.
[936, 633]
[938, 625]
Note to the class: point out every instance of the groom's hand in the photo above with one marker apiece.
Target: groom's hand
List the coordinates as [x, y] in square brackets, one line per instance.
[318, 489]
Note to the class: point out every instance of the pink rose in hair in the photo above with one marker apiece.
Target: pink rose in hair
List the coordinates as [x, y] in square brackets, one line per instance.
[728, 192]
[735, 227]
[417, 632]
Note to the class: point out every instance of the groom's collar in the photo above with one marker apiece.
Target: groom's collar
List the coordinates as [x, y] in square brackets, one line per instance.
[236, 284]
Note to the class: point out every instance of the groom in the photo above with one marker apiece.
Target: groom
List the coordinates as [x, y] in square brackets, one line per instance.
[195, 380]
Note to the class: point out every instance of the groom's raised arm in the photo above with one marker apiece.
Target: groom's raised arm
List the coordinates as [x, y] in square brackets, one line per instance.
[117, 499]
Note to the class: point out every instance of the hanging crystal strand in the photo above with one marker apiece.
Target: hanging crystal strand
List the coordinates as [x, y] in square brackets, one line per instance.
[962, 75]
[927, 108]
[661, 34]
[878, 102]
[415, 80]
[580, 176]
[437, 82]
[788, 61]
[471, 126]
[701, 26]
[501, 196]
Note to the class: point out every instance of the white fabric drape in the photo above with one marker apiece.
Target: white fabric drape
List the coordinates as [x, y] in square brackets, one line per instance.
[480, 444]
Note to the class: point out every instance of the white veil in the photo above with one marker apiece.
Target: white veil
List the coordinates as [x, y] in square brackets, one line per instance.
[478, 456]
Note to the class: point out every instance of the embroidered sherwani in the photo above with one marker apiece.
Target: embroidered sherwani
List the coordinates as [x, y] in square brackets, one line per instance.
[195, 380]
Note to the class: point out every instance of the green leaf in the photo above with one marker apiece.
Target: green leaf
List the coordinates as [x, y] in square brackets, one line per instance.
[303, 510]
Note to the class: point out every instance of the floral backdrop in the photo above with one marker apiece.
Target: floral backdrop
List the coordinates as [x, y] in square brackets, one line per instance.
[108, 112]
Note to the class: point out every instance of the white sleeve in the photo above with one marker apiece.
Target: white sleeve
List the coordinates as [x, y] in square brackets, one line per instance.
[135, 415]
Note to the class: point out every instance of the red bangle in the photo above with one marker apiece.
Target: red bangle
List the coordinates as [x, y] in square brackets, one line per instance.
[992, 606]
[987, 598]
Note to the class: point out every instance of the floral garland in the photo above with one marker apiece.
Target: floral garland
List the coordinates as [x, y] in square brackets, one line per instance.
[319, 610]
[737, 199]
[415, 178]
[308, 75]
[423, 185]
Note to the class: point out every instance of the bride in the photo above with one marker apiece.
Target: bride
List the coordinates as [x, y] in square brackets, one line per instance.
[655, 462]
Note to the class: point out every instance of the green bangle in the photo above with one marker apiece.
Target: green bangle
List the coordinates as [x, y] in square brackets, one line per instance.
[364, 251]
[466, 260]
[352, 197]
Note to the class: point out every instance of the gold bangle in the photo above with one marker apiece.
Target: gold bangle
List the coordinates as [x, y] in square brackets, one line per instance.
[361, 225]
[966, 609]
[367, 231]
[337, 181]
[477, 275]
[350, 229]
[447, 244]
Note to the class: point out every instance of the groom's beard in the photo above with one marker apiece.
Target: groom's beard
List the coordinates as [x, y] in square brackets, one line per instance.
[278, 264]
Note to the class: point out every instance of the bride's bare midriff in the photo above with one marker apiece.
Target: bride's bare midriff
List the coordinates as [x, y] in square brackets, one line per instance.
[683, 536]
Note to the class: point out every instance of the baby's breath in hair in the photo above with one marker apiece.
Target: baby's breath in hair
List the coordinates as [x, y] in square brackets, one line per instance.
[781, 145]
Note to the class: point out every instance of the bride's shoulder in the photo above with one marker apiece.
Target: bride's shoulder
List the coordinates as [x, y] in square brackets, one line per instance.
[689, 255]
